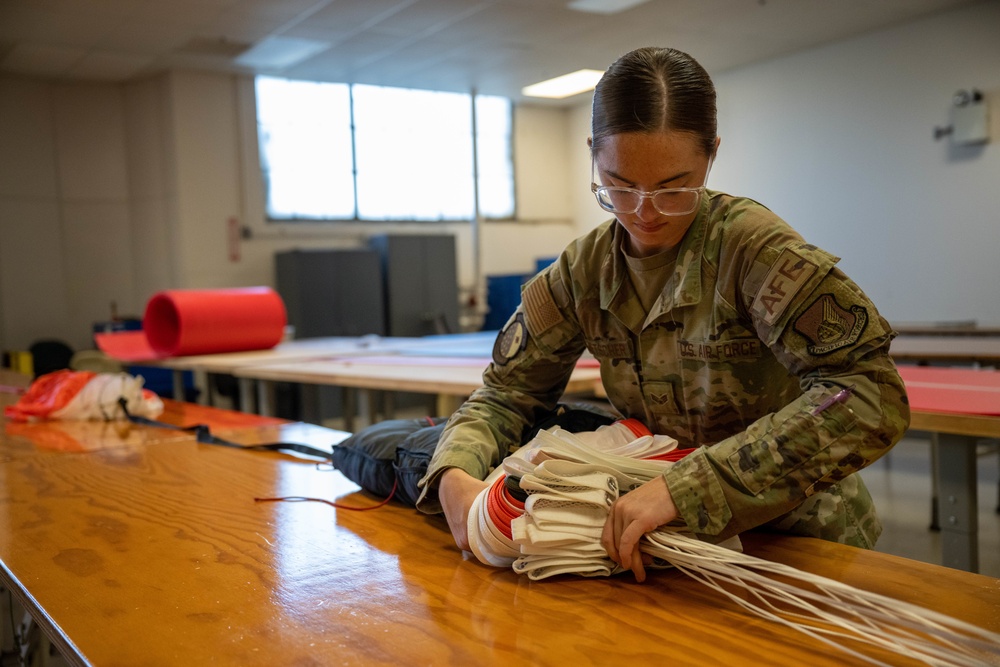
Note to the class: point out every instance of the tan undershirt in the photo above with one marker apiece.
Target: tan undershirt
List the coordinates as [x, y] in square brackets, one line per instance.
[649, 274]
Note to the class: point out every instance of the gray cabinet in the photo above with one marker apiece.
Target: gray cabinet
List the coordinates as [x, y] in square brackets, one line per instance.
[332, 292]
[421, 283]
[327, 293]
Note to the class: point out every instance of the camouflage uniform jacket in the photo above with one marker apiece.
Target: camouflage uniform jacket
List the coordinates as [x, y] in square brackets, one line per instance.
[753, 333]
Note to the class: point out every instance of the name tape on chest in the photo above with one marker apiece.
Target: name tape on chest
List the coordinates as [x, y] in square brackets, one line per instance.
[739, 349]
[611, 349]
[782, 283]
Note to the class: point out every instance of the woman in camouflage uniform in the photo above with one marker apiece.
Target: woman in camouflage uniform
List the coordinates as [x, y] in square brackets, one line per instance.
[713, 321]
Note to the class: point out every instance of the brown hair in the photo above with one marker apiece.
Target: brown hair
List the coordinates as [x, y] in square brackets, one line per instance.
[653, 89]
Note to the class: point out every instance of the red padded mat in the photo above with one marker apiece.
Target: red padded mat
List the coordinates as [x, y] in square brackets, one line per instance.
[957, 390]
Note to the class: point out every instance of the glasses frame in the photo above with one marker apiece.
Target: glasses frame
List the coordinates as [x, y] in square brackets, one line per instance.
[642, 194]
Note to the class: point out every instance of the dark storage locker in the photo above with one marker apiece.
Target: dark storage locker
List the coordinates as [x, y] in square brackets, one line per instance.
[421, 283]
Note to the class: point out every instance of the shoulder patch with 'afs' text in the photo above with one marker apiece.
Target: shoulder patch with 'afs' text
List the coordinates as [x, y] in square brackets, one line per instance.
[540, 307]
[782, 283]
[829, 326]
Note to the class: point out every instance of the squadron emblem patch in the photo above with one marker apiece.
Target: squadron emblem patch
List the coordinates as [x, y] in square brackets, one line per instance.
[829, 326]
[512, 339]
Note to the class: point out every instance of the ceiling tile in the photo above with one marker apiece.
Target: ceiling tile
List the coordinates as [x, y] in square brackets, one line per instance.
[355, 15]
[428, 16]
[496, 44]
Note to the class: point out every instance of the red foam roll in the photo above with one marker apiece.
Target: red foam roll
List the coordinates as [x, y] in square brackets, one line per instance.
[187, 322]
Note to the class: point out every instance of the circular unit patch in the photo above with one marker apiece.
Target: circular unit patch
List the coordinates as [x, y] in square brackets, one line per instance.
[511, 341]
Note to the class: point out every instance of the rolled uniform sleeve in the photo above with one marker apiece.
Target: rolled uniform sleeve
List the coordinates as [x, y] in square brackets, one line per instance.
[533, 358]
[827, 333]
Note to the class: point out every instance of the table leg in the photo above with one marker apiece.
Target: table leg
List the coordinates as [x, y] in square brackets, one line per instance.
[264, 403]
[959, 504]
[204, 384]
[935, 487]
[389, 407]
[367, 405]
[350, 408]
[178, 385]
[246, 394]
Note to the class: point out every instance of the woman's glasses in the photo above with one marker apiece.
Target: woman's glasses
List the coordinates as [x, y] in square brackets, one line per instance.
[668, 201]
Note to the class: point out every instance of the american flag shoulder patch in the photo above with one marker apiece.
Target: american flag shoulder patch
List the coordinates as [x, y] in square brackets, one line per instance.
[539, 306]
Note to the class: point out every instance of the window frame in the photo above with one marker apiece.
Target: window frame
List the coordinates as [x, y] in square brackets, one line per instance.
[301, 223]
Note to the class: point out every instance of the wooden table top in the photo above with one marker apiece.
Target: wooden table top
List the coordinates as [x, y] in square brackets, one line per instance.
[953, 349]
[961, 401]
[458, 376]
[954, 328]
[334, 346]
[306, 348]
[28, 438]
[155, 553]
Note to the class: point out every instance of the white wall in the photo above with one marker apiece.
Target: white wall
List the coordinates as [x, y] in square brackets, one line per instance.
[65, 233]
[29, 212]
[839, 141]
[153, 196]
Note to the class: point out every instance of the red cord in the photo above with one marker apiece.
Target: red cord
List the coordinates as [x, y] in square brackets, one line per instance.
[502, 507]
[638, 429]
[302, 499]
[672, 455]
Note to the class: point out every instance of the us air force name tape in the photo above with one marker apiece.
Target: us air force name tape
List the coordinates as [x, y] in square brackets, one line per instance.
[736, 349]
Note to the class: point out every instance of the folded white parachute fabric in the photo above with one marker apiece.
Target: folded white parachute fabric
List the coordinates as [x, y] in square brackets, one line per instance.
[545, 507]
[568, 482]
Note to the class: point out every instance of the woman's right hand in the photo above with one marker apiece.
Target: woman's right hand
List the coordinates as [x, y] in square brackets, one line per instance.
[457, 490]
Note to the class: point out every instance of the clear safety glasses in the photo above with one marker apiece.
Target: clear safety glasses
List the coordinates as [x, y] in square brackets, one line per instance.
[668, 201]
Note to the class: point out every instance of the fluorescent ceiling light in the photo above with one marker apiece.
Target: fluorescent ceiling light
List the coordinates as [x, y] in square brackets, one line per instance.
[280, 52]
[566, 85]
[604, 6]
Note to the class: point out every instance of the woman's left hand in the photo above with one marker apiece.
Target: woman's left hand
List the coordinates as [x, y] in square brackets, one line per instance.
[632, 516]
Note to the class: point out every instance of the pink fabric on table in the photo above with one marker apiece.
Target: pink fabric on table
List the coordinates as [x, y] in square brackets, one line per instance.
[955, 390]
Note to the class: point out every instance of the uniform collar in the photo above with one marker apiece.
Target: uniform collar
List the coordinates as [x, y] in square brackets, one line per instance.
[683, 288]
